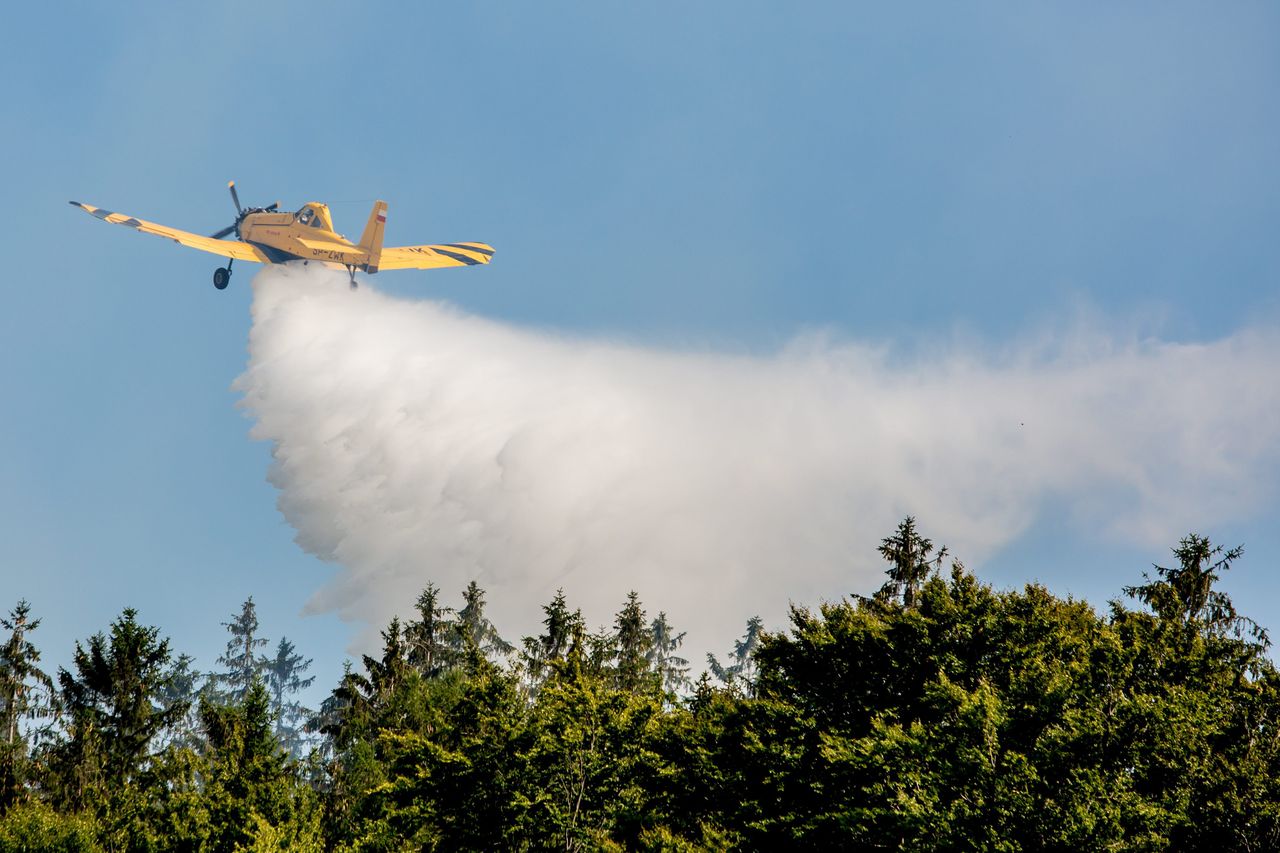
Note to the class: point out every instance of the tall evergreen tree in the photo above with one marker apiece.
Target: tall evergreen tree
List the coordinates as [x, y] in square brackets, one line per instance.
[597, 652]
[114, 706]
[251, 789]
[427, 636]
[185, 686]
[242, 660]
[672, 670]
[284, 680]
[632, 644]
[472, 626]
[741, 669]
[26, 695]
[910, 563]
[559, 624]
[1186, 593]
[355, 708]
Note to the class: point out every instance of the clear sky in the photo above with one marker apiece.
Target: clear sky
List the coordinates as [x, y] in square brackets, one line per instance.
[724, 176]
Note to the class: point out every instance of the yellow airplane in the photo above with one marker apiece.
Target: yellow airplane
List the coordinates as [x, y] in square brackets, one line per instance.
[268, 236]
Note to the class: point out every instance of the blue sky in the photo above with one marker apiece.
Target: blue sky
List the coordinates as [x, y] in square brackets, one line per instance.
[719, 176]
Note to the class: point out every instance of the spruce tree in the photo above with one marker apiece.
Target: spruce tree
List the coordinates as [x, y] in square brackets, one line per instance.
[632, 644]
[284, 679]
[473, 627]
[740, 672]
[242, 660]
[560, 623]
[26, 695]
[1186, 593]
[427, 636]
[114, 706]
[672, 670]
[910, 562]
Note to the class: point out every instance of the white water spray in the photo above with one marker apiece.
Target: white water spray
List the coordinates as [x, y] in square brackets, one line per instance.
[414, 443]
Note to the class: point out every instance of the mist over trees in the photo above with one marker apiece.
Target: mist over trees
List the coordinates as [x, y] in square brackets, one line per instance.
[935, 714]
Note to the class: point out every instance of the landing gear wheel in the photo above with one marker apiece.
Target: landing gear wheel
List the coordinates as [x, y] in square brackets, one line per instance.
[221, 278]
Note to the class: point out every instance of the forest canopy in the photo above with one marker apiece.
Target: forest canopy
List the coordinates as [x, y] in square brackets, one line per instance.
[936, 714]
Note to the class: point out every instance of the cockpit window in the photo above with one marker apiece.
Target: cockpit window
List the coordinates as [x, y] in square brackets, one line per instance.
[317, 222]
[304, 216]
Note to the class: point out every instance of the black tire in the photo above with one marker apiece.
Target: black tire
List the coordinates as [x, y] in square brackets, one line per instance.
[221, 278]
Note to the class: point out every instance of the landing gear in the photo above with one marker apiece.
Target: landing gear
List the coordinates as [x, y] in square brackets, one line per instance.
[351, 271]
[222, 275]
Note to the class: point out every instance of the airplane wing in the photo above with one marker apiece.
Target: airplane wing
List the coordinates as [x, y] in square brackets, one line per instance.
[226, 248]
[432, 257]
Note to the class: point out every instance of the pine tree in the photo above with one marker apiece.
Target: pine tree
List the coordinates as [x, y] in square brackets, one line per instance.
[114, 706]
[186, 686]
[284, 677]
[553, 644]
[672, 669]
[599, 651]
[426, 637]
[910, 564]
[632, 644]
[359, 700]
[26, 694]
[472, 626]
[241, 658]
[1186, 593]
[250, 787]
[741, 671]
[389, 672]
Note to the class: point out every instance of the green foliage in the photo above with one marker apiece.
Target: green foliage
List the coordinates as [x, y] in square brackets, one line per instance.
[240, 791]
[671, 669]
[427, 636]
[284, 678]
[114, 705]
[960, 717]
[593, 756]
[937, 714]
[283, 673]
[910, 563]
[450, 776]
[183, 688]
[739, 673]
[474, 628]
[26, 699]
[33, 827]
[242, 661]
[250, 788]
[632, 644]
[540, 653]
[1186, 593]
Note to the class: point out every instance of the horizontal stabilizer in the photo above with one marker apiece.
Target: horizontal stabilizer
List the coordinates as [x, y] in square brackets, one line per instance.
[435, 256]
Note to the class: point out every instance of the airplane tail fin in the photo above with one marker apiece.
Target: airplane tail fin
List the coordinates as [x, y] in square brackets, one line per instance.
[371, 240]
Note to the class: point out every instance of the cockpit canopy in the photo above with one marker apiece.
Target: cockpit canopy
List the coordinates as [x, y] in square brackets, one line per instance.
[315, 215]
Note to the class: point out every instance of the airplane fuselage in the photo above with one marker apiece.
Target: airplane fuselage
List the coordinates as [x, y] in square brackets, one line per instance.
[298, 236]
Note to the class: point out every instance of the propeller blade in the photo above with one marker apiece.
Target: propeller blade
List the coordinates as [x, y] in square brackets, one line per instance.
[224, 232]
[231, 185]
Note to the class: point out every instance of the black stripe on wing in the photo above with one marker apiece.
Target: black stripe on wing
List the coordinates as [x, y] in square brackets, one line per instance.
[479, 250]
[457, 256]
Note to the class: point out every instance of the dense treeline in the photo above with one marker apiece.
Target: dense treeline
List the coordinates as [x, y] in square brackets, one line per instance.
[937, 714]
